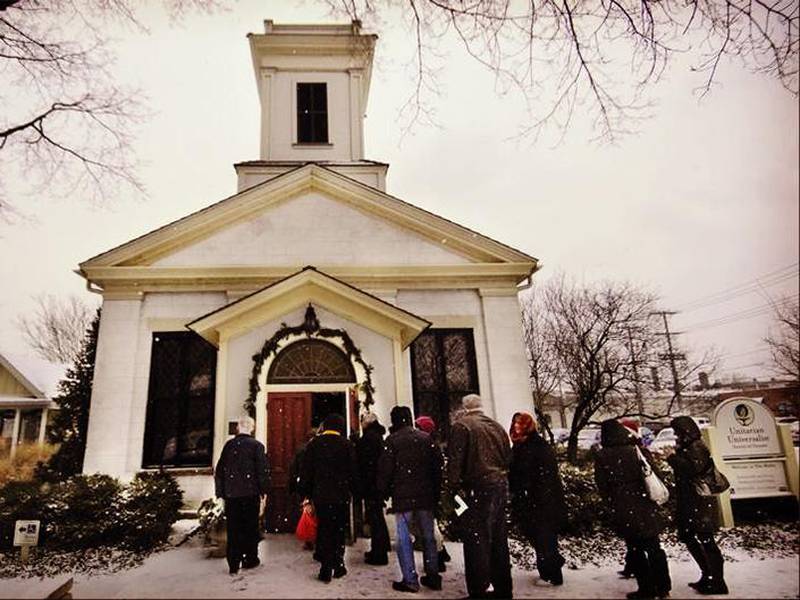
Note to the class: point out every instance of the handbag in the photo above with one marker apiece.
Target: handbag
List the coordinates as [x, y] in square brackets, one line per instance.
[712, 482]
[656, 490]
[306, 527]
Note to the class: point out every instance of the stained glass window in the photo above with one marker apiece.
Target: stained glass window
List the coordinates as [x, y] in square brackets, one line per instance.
[179, 430]
[444, 370]
[311, 361]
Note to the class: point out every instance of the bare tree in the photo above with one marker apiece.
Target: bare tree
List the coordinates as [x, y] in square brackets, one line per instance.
[64, 122]
[784, 340]
[544, 373]
[589, 331]
[599, 55]
[57, 328]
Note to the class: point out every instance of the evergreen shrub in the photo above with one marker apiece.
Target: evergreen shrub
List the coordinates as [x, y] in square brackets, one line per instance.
[88, 511]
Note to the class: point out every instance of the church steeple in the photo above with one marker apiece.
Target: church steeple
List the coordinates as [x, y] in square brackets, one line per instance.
[313, 83]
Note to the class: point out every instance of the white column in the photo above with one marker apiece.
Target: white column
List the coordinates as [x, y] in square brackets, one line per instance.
[220, 400]
[107, 440]
[356, 115]
[43, 425]
[401, 390]
[266, 111]
[15, 431]
[508, 364]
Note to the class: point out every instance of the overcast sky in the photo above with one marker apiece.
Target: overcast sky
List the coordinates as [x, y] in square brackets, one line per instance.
[702, 200]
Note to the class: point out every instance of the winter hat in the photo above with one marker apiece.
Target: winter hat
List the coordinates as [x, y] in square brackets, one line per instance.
[426, 424]
[334, 422]
[612, 433]
[401, 417]
[527, 426]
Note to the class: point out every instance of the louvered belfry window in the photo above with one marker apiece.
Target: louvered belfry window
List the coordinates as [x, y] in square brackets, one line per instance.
[311, 361]
[312, 113]
[179, 430]
[444, 370]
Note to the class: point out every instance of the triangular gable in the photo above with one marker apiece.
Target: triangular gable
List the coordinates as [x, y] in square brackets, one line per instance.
[310, 286]
[145, 249]
[23, 381]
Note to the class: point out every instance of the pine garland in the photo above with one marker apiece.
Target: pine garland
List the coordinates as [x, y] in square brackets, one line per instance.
[310, 327]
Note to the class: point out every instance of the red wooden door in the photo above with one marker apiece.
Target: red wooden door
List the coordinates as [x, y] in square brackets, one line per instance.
[288, 421]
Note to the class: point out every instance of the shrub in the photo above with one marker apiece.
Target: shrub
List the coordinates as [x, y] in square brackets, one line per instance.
[150, 506]
[85, 511]
[21, 467]
[88, 511]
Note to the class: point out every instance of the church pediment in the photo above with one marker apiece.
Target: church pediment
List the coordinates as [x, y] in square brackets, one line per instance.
[455, 244]
[309, 286]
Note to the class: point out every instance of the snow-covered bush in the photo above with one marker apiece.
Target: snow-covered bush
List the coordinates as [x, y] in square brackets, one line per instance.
[150, 505]
[89, 511]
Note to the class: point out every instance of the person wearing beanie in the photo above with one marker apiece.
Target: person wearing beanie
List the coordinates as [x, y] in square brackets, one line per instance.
[479, 455]
[410, 471]
[369, 448]
[428, 425]
[537, 495]
[328, 477]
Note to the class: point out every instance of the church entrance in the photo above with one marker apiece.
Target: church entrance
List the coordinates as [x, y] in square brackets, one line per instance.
[292, 418]
[311, 378]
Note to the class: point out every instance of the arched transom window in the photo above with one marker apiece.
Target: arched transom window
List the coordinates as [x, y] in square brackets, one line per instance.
[311, 361]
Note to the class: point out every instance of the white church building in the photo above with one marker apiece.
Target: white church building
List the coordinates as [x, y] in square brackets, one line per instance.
[309, 290]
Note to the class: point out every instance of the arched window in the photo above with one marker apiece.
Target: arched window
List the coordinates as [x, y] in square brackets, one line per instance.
[311, 361]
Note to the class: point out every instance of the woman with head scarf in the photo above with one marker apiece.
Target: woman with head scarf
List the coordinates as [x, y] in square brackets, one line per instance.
[634, 516]
[696, 515]
[537, 495]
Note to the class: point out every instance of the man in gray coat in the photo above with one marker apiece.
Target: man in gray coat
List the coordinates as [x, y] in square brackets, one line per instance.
[479, 455]
[241, 479]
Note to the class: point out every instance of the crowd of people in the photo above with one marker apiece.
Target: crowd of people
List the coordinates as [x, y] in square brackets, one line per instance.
[487, 469]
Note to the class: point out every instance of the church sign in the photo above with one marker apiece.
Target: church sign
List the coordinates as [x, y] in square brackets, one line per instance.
[748, 441]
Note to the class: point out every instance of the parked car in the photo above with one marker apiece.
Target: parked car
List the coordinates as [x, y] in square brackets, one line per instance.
[665, 439]
[589, 438]
[560, 435]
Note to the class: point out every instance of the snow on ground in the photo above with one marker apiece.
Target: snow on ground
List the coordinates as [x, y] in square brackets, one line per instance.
[289, 572]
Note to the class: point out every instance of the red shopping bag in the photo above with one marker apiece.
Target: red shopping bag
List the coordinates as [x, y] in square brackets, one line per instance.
[306, 527]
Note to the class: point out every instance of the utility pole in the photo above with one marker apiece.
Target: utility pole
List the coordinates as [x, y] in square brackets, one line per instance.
[636, 389]
[671, 355]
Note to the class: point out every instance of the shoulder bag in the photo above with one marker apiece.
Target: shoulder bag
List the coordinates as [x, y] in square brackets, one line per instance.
[656, 489]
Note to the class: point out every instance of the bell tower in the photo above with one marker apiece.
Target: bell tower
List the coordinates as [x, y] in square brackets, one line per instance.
[313, 85]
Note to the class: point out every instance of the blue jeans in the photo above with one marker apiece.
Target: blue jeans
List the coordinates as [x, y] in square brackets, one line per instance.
[405, 548]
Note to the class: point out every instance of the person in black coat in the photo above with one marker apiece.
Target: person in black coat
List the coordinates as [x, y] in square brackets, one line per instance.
[537, 495]
[368, 450]
[241, 479]
[410, 471]
[634, 516]
[328, 477]
[696, 516]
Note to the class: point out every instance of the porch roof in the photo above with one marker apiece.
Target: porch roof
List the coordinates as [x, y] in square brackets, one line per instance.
[309, 285]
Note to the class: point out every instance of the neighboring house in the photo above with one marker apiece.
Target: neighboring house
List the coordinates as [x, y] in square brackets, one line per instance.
[222, 310]
[26, 388]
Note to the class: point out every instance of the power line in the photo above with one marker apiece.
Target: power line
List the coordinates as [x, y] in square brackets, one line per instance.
[748, 313]
[773, 278]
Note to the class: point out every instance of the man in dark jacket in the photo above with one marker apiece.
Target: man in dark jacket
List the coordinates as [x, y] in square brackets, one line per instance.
[328, 477]
[410, 471]
[479, 455]
[369, 449]
[241, 479]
